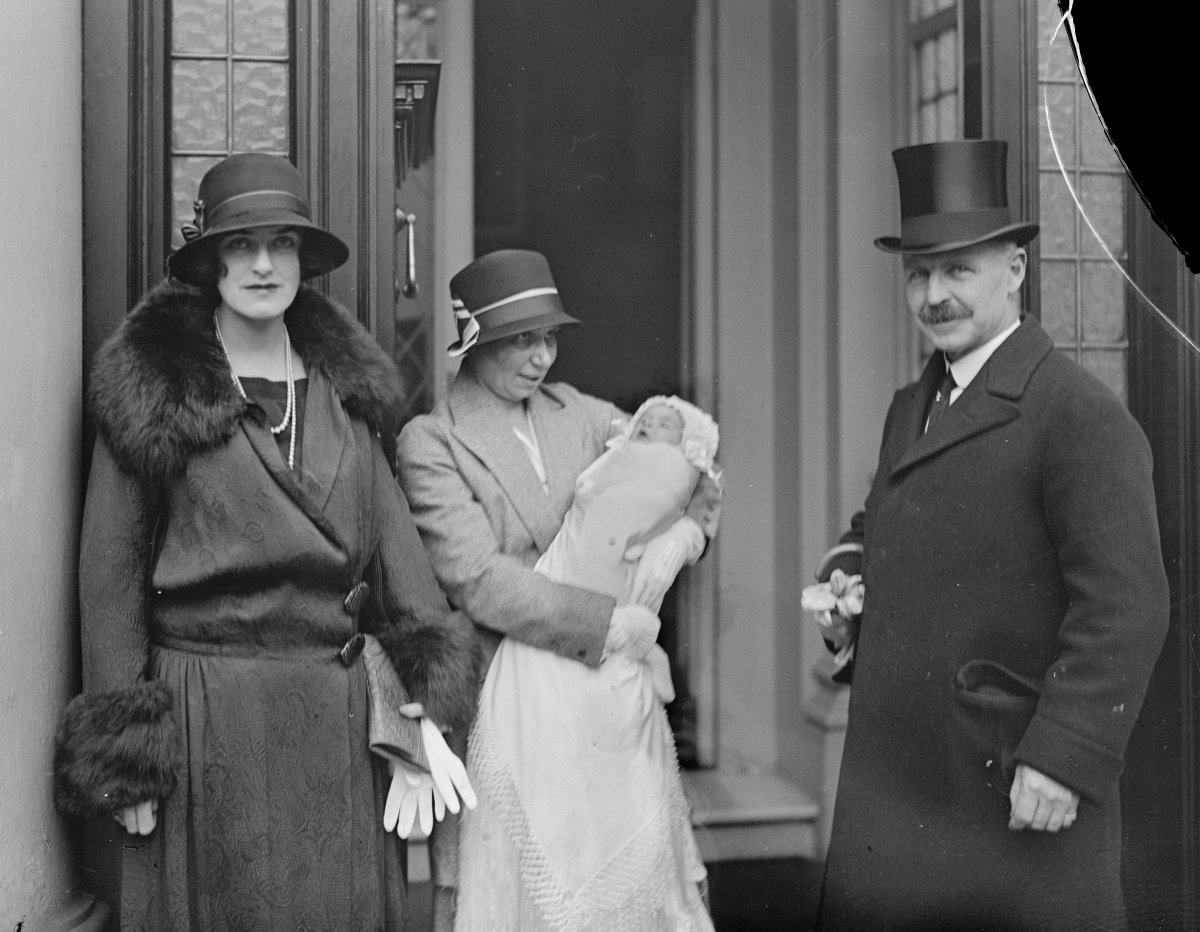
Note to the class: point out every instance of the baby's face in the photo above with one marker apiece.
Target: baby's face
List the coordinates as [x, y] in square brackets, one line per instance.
[660, 423]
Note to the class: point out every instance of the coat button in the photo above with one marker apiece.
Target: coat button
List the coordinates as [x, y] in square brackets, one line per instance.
[351, 649]
[355, 598]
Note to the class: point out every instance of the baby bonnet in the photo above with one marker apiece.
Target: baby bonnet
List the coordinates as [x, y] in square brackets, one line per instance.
[700, 434]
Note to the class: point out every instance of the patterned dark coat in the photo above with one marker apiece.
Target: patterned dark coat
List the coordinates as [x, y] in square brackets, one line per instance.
[212, 675]
[1015, 605]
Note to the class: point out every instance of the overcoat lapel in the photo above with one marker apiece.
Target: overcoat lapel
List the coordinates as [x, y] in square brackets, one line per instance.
[325, 437]
[481, 428]
[988, 402]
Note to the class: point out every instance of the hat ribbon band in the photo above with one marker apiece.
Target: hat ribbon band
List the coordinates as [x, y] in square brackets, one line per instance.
[469, 334]
[948, 227]
[238, 204]
[520, 296]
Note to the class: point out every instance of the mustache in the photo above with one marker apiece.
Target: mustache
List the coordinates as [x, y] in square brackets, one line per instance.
[941, 313]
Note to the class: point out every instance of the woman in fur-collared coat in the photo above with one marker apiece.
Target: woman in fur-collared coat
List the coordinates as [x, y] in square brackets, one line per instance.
[241, 524]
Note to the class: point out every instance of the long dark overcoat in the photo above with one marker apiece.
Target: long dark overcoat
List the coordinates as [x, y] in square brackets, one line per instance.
[215, 591]
[1015, 605]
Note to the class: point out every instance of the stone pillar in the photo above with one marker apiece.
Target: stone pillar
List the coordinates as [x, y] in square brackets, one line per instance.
[40, 483]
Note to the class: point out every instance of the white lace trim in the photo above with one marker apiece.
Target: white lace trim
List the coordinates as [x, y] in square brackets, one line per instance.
[629, 894]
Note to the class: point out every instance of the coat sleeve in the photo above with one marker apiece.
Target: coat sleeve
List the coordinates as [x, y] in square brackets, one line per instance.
[117, 743]
[495, 589]
[432, 648]
[1098, 498]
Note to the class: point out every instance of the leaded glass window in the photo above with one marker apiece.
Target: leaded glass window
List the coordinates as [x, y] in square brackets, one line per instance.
[1082, 292]
[230, 80]
[945, 88]
[416, 40]
[945, 70]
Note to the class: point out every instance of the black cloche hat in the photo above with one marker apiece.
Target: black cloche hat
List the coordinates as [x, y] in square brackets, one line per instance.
[248, 190]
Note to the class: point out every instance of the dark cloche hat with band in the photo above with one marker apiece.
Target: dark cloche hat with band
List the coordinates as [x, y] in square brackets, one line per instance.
[953, 195]
[501, 294]
[251, 190]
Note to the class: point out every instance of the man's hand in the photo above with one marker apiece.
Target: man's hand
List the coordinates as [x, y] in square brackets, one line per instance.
[1040, 803]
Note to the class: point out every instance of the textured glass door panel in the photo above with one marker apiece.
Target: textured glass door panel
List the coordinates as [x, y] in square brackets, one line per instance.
[1057, 215]
[231, 88]
[199, 98]
[1109, 367]
[1083, 295]
[260, 27]
[1103, 302]
[260, 115]
[1059, 300]
[200, 26]
[1103, 198]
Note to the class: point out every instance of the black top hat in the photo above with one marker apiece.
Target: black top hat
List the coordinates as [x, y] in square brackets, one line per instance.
[953, 195]
[250, 190]
[501, 294]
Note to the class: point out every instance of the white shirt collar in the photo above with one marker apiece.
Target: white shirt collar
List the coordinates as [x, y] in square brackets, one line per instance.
[967, 366]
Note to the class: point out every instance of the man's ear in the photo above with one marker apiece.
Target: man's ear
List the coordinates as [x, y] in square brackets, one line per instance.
[1018, 260]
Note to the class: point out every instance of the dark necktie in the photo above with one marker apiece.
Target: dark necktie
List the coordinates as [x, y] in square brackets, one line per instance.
[942, 400]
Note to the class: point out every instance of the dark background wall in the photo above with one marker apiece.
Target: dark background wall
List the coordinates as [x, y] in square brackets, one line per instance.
[579, 129]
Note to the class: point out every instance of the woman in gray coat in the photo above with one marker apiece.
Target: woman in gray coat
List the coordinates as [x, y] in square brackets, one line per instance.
[491, 472]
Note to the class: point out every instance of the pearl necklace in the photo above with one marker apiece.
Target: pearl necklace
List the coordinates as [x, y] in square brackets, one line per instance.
[289, 411]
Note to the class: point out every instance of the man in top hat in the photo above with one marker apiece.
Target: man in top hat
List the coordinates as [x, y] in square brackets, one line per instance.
[1015, 599]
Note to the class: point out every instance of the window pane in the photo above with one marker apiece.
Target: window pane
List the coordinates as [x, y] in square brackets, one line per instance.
[1103, 302]
[1103, 198]
[198, 90]
[1058, 300]
[948, 117]
[199, 26]
[260, 27]
[1062, 63]
[1057, 214]
[947, 57]
[929, 123]
[1109, 367]
[416, 33]
[1061, 104]
[928, 60]
[260, 114]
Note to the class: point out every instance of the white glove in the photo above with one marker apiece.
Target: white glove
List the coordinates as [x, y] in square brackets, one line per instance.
[661, 558]
[836, 605]
[632, 631]
[660, 674]
[139, 819]
[415, 794]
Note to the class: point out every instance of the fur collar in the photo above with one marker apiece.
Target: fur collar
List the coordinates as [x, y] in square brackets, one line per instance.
[161, 392]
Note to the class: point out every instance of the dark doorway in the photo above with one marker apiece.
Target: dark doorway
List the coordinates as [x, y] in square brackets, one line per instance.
[579, 134]
[580, 128]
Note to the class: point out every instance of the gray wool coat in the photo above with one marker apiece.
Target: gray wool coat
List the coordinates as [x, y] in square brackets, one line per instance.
[485, 519]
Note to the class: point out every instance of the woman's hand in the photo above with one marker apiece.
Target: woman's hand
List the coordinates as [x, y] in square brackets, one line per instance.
[139, 819]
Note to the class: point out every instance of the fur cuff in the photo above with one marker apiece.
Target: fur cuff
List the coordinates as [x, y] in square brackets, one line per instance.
[439, 668]
[115, 749]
